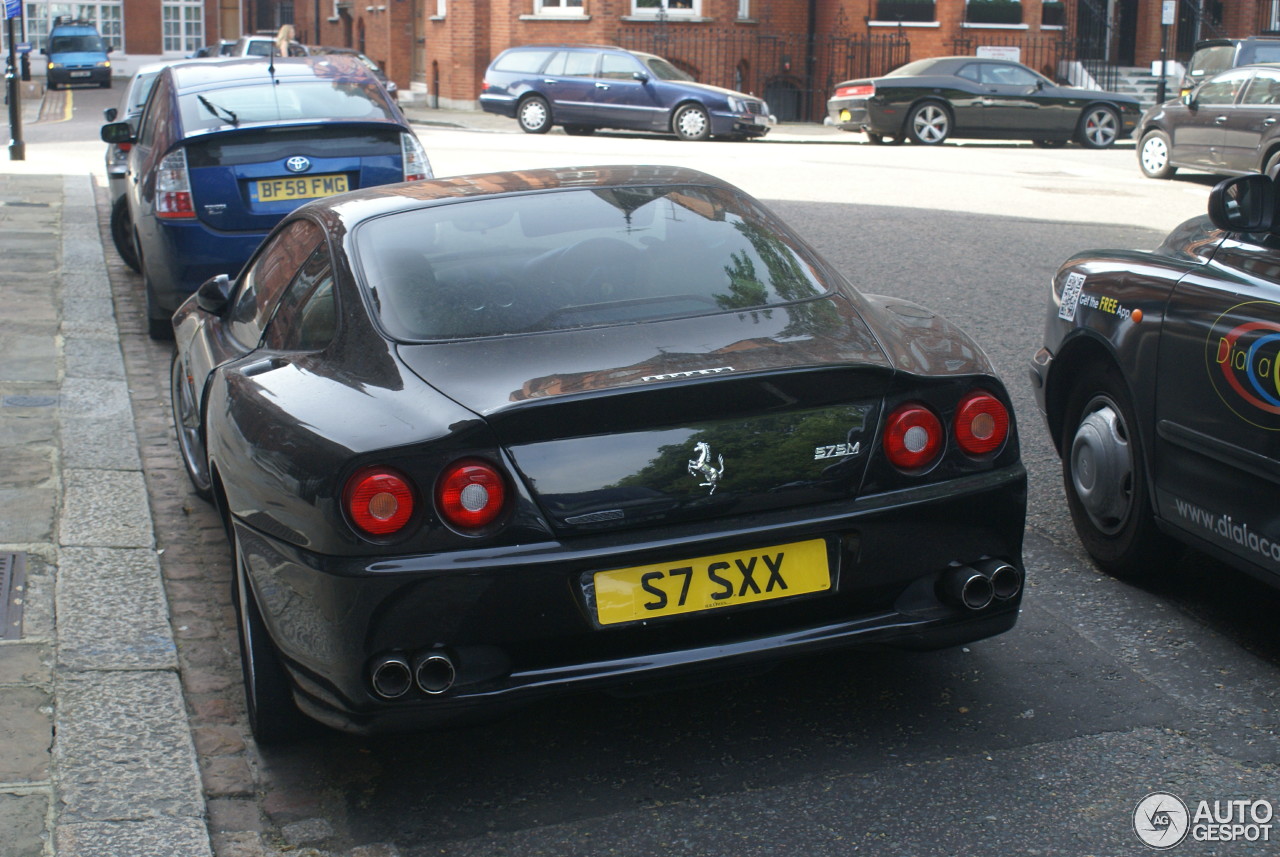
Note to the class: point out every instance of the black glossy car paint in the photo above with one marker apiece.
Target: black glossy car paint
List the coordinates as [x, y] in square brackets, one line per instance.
[1192, 328]
[593, 429]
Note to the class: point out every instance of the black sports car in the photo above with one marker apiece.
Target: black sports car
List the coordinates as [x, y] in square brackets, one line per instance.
[1159, 383]
[482, 439]
[929, 101]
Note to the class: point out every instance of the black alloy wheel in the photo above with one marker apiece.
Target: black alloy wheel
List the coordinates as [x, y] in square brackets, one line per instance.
[1153, 155]
[1104, 474]
[273, 716]
[1099, 127]
[928, 124]
[122, 233]
[534, 115]
[691, 122]
[186, 420]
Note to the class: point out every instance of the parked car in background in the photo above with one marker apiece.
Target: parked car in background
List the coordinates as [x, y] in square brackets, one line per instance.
[76, 54]
[585, 87]
[1225, 125]
[224, 48]
[264, 46]
[1215, 55]
[932, 100]
[1158, 384]
[117, 158]
[324, 50]
[225, 149]
[483, 440]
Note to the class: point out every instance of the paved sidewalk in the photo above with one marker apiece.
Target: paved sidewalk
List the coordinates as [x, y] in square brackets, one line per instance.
[96, 754]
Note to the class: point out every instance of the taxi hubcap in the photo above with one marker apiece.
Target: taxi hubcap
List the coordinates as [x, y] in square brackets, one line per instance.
[1102, 466]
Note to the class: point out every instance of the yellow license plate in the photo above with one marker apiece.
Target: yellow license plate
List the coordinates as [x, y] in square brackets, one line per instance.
[711, 582]
[845, 115]
[304, 187]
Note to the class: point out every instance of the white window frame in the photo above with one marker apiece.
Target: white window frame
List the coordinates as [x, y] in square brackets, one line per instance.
[744, 9]
[190, 27]
[664, 8]
[440, 8]
[559, 7]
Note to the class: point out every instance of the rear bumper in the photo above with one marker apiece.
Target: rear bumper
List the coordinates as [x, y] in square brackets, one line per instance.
[848, 114]
[517, 625]
[179, 255]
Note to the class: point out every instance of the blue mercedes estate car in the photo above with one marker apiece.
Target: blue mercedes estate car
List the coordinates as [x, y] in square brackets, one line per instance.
[223, 151]
[585, 87]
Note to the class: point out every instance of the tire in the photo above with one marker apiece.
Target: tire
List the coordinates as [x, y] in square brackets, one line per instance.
[579, 130]
[534, 115]
[1099, 127]
[1104, 475]
[691, 122]
[1273, 166]
[1153, 156]
[122, 233]
[928, 124]
[273, 715]
[187, 424]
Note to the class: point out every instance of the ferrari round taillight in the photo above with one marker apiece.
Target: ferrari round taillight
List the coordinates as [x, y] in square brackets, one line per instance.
[379, 501]
[981, 424]
[912, 437]
[470, 494]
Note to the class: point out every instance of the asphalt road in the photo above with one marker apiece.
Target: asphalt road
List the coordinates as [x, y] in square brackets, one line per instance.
[1041, 741]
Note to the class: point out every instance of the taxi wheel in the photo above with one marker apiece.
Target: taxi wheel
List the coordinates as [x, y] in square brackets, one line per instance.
[186, 419]
[273, 715]
[1104, 474]
[1153, 156]
[122, 233]
[1099, 127]
[929, 124]
[534, 115]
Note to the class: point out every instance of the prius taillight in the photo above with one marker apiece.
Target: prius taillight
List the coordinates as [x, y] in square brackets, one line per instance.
[173, 188]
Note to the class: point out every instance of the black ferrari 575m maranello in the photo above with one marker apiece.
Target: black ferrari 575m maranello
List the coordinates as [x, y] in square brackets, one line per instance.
[1160, 382]
[932, 100]
[482, 439]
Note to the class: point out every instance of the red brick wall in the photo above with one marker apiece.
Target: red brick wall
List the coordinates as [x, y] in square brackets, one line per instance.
[143, 33]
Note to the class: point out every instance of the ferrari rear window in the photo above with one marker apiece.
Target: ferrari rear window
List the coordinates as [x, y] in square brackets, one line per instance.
[577, 258]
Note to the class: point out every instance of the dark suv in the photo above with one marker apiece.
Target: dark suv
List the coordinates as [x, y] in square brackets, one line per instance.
[1214, 55]
[585, 87]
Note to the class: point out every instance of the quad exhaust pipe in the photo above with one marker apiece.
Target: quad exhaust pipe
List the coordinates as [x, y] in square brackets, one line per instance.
[393, 675]
[976, 587]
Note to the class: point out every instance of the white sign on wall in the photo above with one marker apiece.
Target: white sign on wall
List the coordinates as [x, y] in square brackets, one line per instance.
[1000, 52]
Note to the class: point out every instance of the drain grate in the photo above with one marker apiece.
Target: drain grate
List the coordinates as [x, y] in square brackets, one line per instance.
[13, 590]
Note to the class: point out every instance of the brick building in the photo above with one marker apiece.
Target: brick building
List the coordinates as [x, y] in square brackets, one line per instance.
[789, 51]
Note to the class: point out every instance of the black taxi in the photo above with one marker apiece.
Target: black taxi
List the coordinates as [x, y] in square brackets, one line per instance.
[1159, 380]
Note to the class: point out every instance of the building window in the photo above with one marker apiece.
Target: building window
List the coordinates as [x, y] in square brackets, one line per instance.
[1053, 13]
[183, 25]
[744, 9]
[904, 10]
[440, 4]
[993, 12]
[689, 8]
[558, 7]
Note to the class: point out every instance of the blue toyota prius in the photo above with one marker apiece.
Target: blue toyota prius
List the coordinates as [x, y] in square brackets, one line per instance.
[223, 151]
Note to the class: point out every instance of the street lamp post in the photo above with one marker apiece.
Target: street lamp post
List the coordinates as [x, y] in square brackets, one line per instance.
[17, 149]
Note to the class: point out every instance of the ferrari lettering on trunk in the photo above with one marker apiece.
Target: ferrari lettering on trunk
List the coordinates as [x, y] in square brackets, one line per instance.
[706, 583]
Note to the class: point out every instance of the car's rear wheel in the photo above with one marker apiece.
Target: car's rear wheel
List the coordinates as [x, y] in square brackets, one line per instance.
[1153, 155]
[1104, 474]
[273, 715]
[579, 130]
[1099, 127]
[928, 124]
[691, 122]
[186, 420]
[122, 232]
[534, 115]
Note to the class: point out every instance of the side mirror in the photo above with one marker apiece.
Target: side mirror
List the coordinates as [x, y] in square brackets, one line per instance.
[1244, 204]
[213, 294]
[640, 76]
[110, 114]
[117, 132]
[1188, 100]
